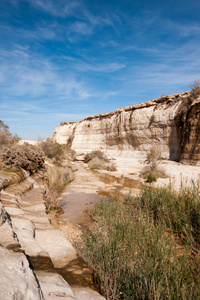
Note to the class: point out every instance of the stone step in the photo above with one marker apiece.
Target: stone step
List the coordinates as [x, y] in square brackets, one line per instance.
[16, 277]
[41, 242]
[54, 286]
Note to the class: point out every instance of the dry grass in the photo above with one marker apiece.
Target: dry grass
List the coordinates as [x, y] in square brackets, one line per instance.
[95, 154]
[56, 179]
[97, 163]
[97, 160]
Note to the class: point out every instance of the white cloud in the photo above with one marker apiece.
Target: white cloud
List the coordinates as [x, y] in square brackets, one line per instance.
[82, 28]
[86, 23]
[23, 73]
[101, 68]
[56, 8]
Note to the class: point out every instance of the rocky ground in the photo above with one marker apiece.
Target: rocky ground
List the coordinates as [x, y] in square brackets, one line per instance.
[35, 257]
[28, 237]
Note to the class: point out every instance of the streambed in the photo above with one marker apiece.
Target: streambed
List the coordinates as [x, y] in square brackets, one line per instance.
[74, 219]
[87, 188]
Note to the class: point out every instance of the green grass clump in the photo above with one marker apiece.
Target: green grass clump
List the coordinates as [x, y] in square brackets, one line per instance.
[179, 211]
[150, 177]
[135, 255]
[12, 170]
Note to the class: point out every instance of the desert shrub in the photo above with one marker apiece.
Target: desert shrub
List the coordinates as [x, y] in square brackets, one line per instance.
[56, 180]
[195, 84]
[134, 258]
[52, 150]
[111, 167]
[5, 135]
[194, 94]
[152, 158]
[152, 171]
[25, 156]
[151, 177]
[195, 90]
[98, 160]
[58, 177]
[71, 154]
[97, 163]
[95, 153]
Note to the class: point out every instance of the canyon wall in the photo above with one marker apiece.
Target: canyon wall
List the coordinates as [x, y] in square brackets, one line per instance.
[170, 123]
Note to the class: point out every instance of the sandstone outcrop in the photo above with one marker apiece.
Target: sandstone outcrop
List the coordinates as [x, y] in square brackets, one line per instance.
[16, 277]
[170, 123]
[32, 252]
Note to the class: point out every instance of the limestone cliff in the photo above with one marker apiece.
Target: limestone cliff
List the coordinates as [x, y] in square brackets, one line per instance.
[170, 123]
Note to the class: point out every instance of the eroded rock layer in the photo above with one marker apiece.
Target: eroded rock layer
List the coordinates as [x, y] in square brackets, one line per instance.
[170, 123]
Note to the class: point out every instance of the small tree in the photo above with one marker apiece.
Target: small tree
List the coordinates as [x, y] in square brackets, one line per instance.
[152, 159]
[195, 85]
[195, 90]
[5, 135]
[52, 150]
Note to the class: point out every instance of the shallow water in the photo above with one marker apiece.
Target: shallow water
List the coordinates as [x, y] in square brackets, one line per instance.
[76, 273]
[76, 206]
[78, 199]
[87, 188]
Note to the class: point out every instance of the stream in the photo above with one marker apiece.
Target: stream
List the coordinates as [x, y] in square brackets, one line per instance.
[88, 187]
[74, 219]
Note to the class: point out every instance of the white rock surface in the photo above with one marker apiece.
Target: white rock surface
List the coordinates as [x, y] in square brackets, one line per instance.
[54, 286]
[27, 227]
[8, 237]
[82, 293]
[158, 123]
[16, 278]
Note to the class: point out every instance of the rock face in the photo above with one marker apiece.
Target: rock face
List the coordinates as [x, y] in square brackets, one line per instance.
[32, 251]
[17, 279]
[171, 123]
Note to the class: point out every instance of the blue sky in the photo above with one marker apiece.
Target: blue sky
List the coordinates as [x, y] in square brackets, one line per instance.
[62, 60]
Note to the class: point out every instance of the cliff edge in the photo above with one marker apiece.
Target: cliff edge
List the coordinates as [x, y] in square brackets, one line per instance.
[170, 123]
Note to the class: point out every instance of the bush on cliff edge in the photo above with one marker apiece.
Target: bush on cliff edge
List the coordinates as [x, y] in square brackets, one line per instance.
[25, 157]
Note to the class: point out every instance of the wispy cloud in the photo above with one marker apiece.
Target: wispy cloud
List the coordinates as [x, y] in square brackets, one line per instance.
[56, 8]
[85, 23]
[100, 67]
[60, 58]
[24, 73]
[81, 28]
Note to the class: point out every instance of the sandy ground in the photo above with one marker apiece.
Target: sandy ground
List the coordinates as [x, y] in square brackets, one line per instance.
[176, 173]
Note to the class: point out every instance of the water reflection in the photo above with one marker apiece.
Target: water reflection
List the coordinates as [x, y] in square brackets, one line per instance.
[76, 204]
